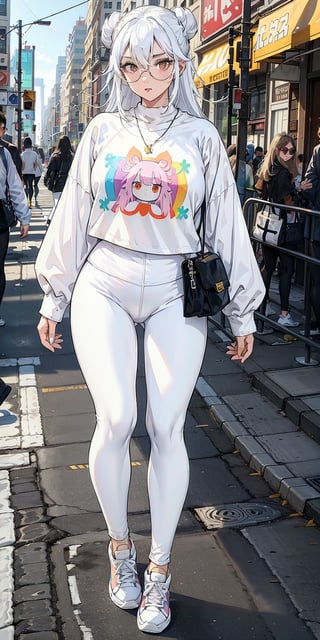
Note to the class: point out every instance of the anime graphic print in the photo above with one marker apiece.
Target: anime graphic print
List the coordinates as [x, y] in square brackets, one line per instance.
[154, 187]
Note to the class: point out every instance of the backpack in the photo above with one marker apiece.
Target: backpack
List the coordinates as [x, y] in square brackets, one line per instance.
[51, 176]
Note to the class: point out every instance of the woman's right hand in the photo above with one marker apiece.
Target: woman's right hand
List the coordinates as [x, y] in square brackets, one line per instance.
[47, 333]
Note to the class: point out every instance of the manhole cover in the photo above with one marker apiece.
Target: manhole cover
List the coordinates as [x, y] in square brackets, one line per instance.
[236, 515]
[315, 482]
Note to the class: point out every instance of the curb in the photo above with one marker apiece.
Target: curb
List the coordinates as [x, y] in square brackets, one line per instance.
[295, 408]
[299, 494]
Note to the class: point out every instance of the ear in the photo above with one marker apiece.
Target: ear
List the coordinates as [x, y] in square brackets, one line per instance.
[182, 66]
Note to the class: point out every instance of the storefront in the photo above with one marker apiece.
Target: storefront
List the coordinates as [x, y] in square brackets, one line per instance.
[213, 76]
[285, 39]
[284, 80]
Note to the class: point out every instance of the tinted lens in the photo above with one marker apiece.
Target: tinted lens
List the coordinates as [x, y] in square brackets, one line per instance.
[286, 150]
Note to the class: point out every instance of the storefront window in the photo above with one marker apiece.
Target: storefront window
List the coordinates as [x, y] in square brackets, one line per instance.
[279, 121]
[257, 103]
[218, 107]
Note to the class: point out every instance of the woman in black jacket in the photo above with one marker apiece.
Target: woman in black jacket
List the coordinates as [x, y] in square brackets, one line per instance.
[58, 169]
[276, 183]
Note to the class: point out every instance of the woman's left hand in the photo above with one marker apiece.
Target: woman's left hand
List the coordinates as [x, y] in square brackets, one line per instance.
[242, 348]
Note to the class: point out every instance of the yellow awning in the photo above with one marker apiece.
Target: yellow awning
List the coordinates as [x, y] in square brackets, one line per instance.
[295, 23]
[214, 65]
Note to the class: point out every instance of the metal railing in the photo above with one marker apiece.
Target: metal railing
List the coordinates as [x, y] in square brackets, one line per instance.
[250, 207]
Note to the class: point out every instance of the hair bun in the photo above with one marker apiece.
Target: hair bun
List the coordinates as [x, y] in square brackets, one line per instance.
[108, 28]
[187, 21]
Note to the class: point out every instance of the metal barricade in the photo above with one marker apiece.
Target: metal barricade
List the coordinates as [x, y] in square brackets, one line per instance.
[250, 208]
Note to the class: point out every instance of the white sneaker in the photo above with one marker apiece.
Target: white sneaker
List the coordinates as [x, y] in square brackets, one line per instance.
[287, 321]
[124, 587]
[154, 613]
[2, 322]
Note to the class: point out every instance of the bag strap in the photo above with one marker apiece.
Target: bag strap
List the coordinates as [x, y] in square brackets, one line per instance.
[3, 157]
[4, 160]
[202, 226]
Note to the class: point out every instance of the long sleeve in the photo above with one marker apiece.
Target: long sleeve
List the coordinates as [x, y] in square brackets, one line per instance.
[227, 234]
[16, 190]
[313, 174]
[67, 243]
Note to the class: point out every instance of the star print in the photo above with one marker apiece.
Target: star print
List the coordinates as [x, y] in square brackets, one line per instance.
[104, 204]
[184, 167]
[110, 158]
[182, 213]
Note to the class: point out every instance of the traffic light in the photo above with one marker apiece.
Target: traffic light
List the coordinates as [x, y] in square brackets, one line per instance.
[29, 100]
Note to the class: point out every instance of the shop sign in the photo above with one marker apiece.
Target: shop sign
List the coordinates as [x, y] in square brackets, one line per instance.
[218, 14]
[281, 93]
[290, 26]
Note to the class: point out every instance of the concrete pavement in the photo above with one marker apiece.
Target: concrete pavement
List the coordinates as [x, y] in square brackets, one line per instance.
[253, 499]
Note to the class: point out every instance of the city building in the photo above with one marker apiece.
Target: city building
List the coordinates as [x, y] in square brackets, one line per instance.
[73, 94]
[96, 58]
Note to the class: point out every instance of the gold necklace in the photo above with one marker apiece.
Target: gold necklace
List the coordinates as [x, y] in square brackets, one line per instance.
[148, 147]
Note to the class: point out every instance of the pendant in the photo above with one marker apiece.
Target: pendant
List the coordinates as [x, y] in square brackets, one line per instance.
[148, 148]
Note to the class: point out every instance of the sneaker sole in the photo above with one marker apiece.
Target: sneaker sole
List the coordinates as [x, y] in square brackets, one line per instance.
[128, 604]
[148, 627]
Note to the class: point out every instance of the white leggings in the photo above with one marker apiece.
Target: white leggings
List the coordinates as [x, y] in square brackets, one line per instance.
[138, 288]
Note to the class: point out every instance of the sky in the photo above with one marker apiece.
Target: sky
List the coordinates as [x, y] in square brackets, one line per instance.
[50, 42]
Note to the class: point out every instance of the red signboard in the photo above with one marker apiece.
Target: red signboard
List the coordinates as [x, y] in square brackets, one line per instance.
[4, 77]
[218, 14]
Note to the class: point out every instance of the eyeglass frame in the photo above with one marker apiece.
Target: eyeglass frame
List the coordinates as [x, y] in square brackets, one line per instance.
[143, 70]
[285, 150]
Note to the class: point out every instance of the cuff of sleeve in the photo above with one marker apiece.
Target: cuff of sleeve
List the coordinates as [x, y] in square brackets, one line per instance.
[52, 308]
[242, 326]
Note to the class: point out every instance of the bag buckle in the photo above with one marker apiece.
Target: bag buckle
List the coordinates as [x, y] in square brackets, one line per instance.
[191, 275]
[219, 286]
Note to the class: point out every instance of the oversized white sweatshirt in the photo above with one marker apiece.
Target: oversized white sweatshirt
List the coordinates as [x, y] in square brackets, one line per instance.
[149, 203]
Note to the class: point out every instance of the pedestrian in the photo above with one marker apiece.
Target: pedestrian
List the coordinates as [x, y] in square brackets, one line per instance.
[125, 221]
[10, 182]
[276, 183]
[58, 169]
[310, 188]
[245, 175]
[13, 150]
[37, 176]
[29, 163]
[257, 159]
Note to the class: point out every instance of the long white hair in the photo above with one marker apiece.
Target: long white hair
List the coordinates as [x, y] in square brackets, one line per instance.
[138, 30]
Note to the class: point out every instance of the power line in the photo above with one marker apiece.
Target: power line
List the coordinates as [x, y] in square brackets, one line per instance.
[29, 24]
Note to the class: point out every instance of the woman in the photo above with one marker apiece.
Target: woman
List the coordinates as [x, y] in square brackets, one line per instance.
[58, 169]
[37, 176]
[10, 181]
[133, 199]
[29, 163]
[276, 183]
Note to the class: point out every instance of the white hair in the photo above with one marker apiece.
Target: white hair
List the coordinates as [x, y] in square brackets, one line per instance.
[138, 30]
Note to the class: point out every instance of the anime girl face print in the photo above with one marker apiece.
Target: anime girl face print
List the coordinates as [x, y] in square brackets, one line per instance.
[150, 83]
[147, 186]
[139, 185]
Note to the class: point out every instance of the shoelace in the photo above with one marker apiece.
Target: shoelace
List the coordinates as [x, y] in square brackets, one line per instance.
[125, 571]
[155, 593]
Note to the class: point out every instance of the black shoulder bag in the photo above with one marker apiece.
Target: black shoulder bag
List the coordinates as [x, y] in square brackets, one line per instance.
[205, 281]
[7, 214]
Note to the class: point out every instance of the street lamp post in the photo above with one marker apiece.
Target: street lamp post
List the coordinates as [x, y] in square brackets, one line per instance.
[19, 78]
[45, 23]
